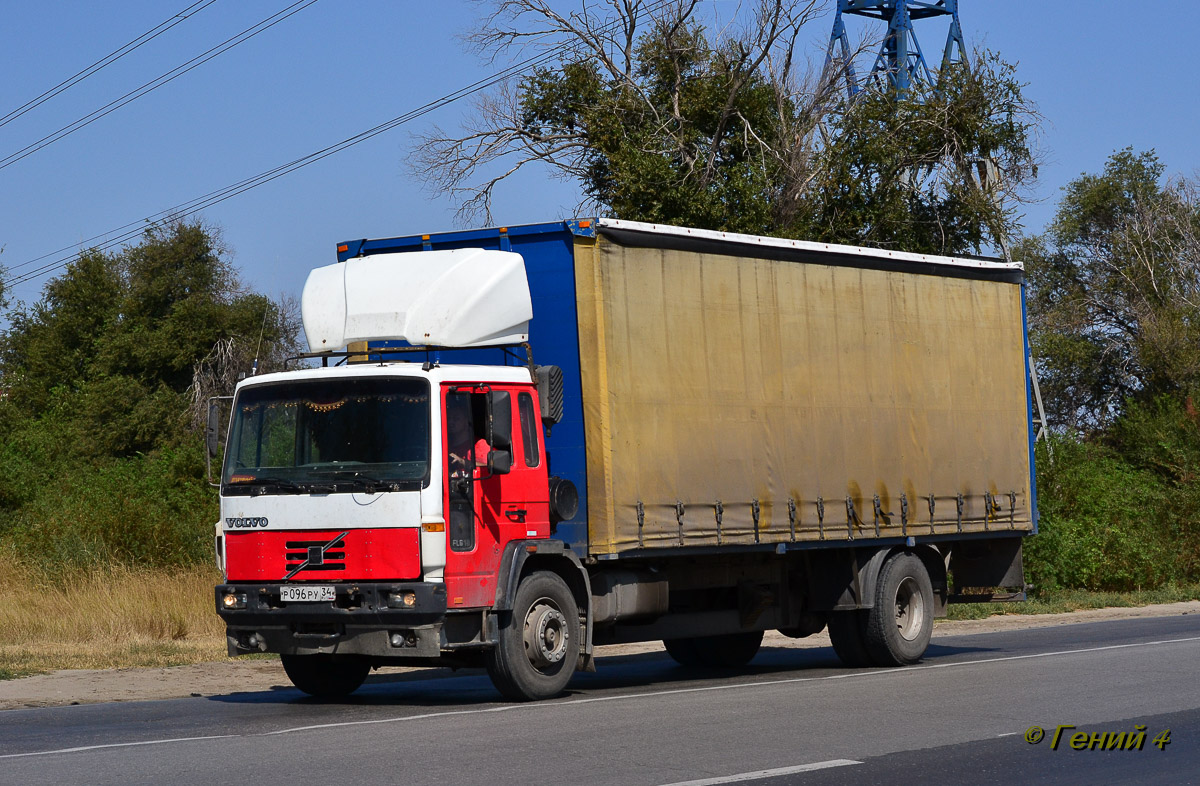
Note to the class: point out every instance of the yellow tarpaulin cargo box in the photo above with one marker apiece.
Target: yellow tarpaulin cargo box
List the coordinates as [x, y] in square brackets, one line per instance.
[740, 390]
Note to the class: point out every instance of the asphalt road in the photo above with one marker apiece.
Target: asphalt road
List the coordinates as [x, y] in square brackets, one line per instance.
[793, 716]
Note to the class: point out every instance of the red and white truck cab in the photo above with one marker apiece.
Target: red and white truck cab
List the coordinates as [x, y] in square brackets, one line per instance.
[370, 509]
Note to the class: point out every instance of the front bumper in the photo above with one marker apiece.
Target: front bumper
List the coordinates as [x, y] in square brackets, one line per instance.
[357, 622]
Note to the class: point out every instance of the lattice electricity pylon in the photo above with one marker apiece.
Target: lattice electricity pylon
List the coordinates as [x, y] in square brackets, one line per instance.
[900, 63]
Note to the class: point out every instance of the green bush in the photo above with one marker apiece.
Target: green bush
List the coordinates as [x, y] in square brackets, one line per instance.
[101, 463]
[1120, 513]
[149, 510]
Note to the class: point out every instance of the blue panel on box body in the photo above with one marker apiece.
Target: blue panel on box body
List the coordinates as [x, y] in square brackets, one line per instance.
[548, 251]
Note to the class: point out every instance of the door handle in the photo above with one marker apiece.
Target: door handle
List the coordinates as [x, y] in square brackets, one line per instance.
[516, 515]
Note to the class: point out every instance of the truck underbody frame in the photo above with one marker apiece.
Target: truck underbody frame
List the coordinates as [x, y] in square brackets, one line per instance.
[637, 597]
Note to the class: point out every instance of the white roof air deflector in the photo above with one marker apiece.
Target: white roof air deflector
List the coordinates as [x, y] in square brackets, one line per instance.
[463, 298]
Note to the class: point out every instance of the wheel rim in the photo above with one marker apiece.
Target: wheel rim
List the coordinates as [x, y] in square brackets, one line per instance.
[910, 609]
[546, 634]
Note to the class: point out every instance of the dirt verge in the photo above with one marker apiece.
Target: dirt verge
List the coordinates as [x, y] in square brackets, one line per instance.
[223, 677]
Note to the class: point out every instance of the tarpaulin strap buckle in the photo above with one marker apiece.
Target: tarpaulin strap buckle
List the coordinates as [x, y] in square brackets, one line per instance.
[879, 514]
[932, 505]
[720, 512]
[851, 517]
[904, 514]
[641, 514]
[960, 511]
[821, 518]
[679, 519]
[792, 517]
[755, 510]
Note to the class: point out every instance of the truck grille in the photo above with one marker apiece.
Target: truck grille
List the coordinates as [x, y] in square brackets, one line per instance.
[306, 555]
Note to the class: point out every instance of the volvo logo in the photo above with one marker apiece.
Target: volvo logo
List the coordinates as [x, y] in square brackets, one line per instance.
[239, 522]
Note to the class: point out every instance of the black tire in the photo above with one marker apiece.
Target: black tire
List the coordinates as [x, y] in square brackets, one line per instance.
[326, 676]
[683, 651]
[728, 651]
[810, 624]
[901, 623]
[538, 645]
[846, 629]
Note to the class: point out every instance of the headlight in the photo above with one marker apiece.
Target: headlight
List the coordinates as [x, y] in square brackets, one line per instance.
[402, 600]
[233, 600]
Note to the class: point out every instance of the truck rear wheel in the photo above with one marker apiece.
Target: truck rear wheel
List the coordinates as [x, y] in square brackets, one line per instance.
[683, 651]
[809, 624]
[721, 652]
[538, 645]
[846, 633]
[900, 625]
[326, 676]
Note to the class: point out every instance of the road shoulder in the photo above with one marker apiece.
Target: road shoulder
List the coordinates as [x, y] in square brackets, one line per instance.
[258, 675]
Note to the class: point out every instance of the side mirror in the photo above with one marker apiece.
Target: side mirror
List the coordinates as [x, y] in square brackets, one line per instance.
[500, 421]
[212, 435]
[500, 462]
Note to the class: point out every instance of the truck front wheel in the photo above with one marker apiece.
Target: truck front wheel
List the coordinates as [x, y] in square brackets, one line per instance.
[538, 645]
[326, 676]
[900, 625]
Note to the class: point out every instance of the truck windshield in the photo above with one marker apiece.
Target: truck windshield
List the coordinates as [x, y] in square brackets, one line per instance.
[329, 436]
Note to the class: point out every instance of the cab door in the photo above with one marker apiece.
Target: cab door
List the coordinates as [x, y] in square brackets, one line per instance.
[527, 495]
[496, 488]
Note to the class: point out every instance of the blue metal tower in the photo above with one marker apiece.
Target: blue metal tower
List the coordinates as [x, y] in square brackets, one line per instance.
[900, 60]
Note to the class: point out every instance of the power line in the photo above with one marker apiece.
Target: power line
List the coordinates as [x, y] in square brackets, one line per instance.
[107, 60]
[185, 209]
[154, 84]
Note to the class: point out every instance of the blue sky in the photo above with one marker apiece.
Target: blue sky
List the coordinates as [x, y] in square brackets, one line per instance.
[1104, 76]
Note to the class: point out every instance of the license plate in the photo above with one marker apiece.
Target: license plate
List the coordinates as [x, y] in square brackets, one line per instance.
[306, 594]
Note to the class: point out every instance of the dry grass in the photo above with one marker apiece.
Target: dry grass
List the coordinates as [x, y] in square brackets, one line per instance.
[115, 618]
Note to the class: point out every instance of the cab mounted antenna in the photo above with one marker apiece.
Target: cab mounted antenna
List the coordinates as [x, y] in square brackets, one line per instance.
[257, 349]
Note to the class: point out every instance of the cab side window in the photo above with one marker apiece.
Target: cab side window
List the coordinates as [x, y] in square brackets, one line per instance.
[529, 435]
[460, 462]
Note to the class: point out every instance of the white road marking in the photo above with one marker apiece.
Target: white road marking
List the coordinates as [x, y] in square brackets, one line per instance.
[1009, 734]
[778, 771]
[117, 745]
[545, 705]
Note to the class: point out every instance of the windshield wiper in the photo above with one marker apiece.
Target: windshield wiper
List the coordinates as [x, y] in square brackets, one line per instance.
[366, 482]
[282, 484]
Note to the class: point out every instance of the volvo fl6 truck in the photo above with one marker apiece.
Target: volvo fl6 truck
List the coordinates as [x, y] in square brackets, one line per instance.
[507, 447]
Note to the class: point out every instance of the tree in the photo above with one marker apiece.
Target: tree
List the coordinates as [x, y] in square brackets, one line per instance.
[653, 120]
[1115, 292]
[656, 119]
[112, 348]
[939, 175]
[54, 342]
